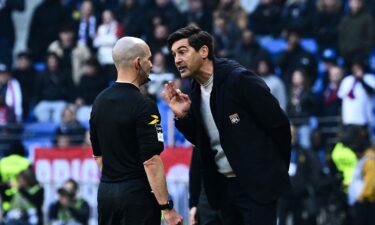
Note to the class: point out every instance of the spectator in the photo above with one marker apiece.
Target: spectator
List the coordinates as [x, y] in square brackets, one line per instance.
[69, 208]
[26, 204]
[329, 190]
[328, 60]
[87, 24]
[225, 35]
[276, 85]
[327, 19]
[72, 54]
[166, 10]
[128, 16]
[159, 75]
[70, 127]
[301, 100]
[328, 196]
[248, 51]
[355, 91]
[199, 15]
[265, 20]
[351, 139]
[298, 15]
[356, 33]
[90, 85]
[47, 20]
[62, 140]
[11, 90]
[26, 75]
[11, 165]
[99, 5]
[331, 102]
[108, 33]
[304, 173]
[7, 35]
[293, 57]
[53, 90]
[231, 10]
[158, 42]
[301, 106]
[7, 125]
[7, 115]
[362, 190]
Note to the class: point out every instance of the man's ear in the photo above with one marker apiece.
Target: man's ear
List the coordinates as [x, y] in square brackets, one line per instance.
[203, 51]
[137, 63]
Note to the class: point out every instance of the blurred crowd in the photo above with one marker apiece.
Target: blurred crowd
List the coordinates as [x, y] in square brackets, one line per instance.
[315, 56]
[22, 196]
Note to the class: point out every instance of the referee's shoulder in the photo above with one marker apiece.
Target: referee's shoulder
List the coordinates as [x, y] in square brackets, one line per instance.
[101, 94]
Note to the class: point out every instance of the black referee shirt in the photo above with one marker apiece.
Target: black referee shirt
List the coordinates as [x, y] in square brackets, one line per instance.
[125, 130]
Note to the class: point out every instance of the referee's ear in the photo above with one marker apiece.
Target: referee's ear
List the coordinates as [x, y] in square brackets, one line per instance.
[137, 63]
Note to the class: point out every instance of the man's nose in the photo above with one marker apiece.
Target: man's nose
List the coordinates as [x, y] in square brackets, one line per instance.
[177, 60]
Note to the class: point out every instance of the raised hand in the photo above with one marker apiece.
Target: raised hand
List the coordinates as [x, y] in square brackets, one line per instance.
[178, 102]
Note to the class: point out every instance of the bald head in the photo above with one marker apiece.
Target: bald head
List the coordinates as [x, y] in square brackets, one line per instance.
[127, 49]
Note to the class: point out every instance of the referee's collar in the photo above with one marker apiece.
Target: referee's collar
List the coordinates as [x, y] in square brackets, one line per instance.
[123, 84]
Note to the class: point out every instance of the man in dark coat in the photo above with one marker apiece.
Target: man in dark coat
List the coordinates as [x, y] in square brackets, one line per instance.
[237, 125]
[7, 36]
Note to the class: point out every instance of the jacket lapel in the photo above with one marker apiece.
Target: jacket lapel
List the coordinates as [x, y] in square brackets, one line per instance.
[217, 94]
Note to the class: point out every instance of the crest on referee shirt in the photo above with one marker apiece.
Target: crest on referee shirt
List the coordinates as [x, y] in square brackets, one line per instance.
[234, 118]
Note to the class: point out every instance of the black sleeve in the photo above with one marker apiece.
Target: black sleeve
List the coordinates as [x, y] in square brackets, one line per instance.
[35, 199]
[82, 213]
[195, 179]
[93, 134]
[187, 127]
[260, 103]
[149, 130]
[369, 90]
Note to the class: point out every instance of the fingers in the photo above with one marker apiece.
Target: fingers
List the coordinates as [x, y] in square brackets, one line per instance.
[185, 97]
[180, 222]
[192, 221]
[166, 96]
[192, 216]
[169, 91]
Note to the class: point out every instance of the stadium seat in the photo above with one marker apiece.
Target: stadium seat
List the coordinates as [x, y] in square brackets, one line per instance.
[310, 45]
[273, 45]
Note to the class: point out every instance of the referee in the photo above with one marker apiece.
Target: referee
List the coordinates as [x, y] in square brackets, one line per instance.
[127, 139]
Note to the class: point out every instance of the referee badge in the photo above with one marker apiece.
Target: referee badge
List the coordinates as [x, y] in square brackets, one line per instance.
[155, 120]
[234, 118]
[159, 132]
